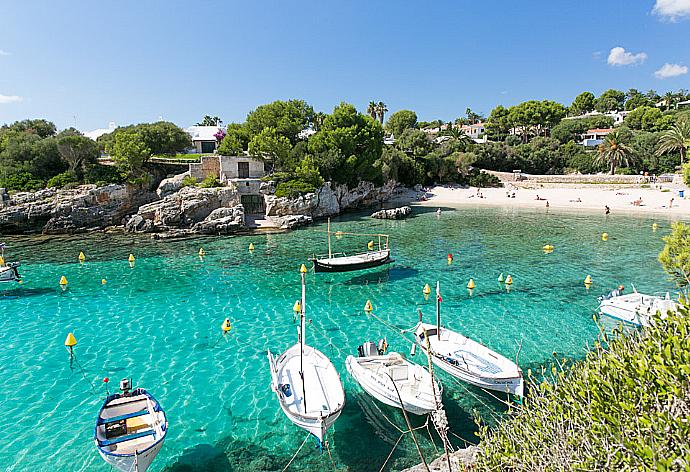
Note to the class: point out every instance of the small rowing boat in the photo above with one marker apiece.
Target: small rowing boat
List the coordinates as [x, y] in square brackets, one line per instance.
[306, 383]
[466, 359]
[130, 429]
[8, 270]
[341, 262]
[393, 380]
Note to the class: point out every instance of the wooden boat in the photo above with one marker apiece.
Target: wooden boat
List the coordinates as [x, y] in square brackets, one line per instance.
[341, 262]
[130, 429]
[306, 383]
[466, 359]
[635, 308]
[392, 379]
[8, 270]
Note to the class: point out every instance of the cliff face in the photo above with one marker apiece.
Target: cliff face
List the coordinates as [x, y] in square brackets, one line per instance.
[329, 200]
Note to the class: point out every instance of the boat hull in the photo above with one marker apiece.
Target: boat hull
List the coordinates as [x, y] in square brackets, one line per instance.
[506, 378]
[331, 265]
[383, 390]
[126, 463]
[320, 379]
[9, 273]
[636, 309]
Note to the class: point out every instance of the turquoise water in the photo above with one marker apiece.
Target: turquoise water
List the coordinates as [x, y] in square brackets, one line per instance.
[159, 323]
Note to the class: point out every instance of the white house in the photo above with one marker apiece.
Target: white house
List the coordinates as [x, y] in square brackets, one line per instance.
[227, 168]
[97, 133]
[474, 131]
[617, 116]
[204, 140]
[594, 137]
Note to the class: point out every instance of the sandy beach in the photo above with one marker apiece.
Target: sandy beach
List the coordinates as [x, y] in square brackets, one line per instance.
[589, 198]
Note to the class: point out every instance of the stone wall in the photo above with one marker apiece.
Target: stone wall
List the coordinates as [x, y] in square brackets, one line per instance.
[209, 165]
[567, 178]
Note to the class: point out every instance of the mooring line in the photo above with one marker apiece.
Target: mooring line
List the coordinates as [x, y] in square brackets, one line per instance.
[297, 452]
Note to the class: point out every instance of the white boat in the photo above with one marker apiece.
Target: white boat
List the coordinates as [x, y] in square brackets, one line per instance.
[130, 429]
[392, 379]
[306, 383]
[635, 308]
[341, 262]
[466, 359]
[8, 270]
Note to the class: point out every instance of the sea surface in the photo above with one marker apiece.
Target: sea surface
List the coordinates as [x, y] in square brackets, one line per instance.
[160, 324]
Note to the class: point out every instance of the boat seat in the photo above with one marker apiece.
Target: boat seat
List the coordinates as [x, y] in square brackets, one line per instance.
[123, 417]
[126, 437]
[398, 372]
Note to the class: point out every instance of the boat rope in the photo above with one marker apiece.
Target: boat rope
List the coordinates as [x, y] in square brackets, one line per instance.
[328, 448]
[82, 371]
[391, 453]
[297, 452]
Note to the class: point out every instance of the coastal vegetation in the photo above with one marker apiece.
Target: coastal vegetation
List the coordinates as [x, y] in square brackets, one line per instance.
[303, 147]
[624, 407]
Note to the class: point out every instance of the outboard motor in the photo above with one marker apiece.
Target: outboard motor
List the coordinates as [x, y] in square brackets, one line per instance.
[367, 349]
[125, 386]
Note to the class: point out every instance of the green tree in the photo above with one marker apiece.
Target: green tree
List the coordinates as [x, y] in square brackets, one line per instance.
[372, 109]
[40, 127]
[498, 124]
[26, 152]
[676, 139]
[272, 146]
[583, 103]
[78, 152]
[614, 151]
[129, 152]
[534, 118]
[210, 121]
[572, 129]
[635, 99]
[400, 121]
[675, 257]
[415, 143]
[287, 118]
[611, 100]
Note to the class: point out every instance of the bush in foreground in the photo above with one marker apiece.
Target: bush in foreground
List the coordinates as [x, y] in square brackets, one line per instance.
[293, 188]
[625, 407]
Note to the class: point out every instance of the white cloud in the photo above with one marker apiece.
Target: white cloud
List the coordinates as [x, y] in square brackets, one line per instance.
[4, 53]
[620, 57]
[10, 99]
[672, 9]
[670, 70]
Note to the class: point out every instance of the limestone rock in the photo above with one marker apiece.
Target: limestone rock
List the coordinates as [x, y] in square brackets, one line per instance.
[171, 185]
[393, 213]
[291, 221]
[462, 459]
[222, 221]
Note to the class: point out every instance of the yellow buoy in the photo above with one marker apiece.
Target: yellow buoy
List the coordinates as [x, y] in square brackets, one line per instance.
[297, 307]
[370, 245]
[427, 289]
[70, 341]
[226, 326]
[2, 261]
[548, 248]
[303, 269]
[63, 281]
[588, 280]
[509, 279]
[131, 258]
[202, 253]
[251, 246]
[82, 257]
[103, 281]
[470, 284]
[655, 226]
[500, 278]
[604, 236]
[367, 307]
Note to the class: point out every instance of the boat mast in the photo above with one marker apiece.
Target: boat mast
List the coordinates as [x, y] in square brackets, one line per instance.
[303, 273]
[438, 310]
[329, 239]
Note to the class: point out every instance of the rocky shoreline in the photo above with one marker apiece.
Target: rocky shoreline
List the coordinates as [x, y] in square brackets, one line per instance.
[174, 210]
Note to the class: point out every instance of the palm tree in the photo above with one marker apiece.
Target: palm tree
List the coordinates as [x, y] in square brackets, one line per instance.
[669, 99]
[381, 110]
[676, 139]
[319, 116]
[372, 110]
[614, 151]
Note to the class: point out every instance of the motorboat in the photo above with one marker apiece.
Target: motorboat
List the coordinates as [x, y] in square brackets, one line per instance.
[635, 308]
[130, 429]
[466, 359]
[342, 262]
[393, 380]
[306, 383]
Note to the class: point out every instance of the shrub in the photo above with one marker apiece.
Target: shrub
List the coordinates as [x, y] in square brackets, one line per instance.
[24, 181]
[210, 181]
[61, 180]
[189, 181]
[623, 408]
[477, 178]
[99, 174]
[686, 173]
[293, 188]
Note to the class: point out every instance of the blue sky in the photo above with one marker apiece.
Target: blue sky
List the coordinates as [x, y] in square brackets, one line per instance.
[134, 61]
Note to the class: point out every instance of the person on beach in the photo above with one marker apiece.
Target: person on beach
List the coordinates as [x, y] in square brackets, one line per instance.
[607, 210]
[438, 212]
[547, 203]
[670, 204]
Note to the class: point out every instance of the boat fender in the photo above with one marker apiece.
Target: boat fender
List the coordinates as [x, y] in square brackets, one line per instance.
[413, 349]
[370, 245]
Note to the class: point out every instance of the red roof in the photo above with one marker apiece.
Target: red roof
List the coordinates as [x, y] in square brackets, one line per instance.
[599, 130]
